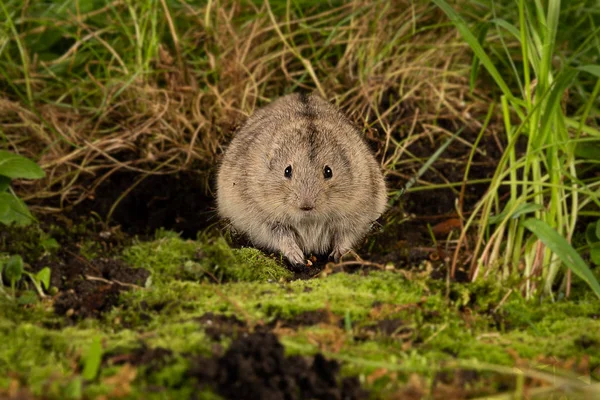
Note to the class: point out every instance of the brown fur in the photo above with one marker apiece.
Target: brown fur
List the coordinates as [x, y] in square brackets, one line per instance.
[306, 133]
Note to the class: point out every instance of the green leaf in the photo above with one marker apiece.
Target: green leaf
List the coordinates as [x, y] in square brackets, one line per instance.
[508, 26]
[4, 183]
[598, 229]
[49, 244]
[592, 69]
[27, 297]
[43, 276]
[15, 166]
[561, 84]
[591, 236]
[595, 254]
[92, 359]
[17, 210]
[587, 150]
[13, 269]
[523, 208]
[4, 209]
[559, 246]
[74, 388]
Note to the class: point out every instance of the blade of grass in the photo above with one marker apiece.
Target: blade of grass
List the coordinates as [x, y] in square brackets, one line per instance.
[563, 250]
[468, 36]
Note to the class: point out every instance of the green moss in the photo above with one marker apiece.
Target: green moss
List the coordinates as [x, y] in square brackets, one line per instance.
[439, 325]
[31, 242]
[171, 257]
[164, 257]
[341, 293]
[245, 264]
[90, 249]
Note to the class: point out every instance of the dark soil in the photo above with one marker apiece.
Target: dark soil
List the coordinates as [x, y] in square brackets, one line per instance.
[79, 255]
[254, 367]
[179, 202]
[390, 327]
[153, 359]
[307, 318]
[218, 325]
[91, 288]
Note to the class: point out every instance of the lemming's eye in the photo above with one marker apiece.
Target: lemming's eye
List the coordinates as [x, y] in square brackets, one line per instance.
[327, 172]
[288, 172]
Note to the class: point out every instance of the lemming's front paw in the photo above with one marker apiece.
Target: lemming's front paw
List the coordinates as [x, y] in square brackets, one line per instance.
[295, 256]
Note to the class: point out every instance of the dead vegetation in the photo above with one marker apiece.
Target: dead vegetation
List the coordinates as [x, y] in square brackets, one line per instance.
[123, 95]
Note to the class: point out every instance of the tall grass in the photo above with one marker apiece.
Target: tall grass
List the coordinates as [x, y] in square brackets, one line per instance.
[156, 86]
[547, 183]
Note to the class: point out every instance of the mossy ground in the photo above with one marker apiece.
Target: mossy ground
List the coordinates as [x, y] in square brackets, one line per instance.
[398, 331]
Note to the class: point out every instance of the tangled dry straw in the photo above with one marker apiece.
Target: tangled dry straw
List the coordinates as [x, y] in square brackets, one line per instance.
[161, 103]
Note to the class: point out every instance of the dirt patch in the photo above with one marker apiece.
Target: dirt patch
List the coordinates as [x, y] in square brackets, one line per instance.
[88, 281]
[308, 318]
[153, 359]
[218, 325]
[180, 202]
[456, 384]
[254, 367]
[392, 328]
[91, 288]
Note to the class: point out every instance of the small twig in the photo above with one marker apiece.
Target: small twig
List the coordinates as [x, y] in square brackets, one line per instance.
[502, 301]
[362, 263]
[95, 278]
[435, 334]
[83, 260]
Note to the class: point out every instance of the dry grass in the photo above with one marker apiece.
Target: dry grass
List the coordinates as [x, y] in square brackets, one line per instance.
[159, 88]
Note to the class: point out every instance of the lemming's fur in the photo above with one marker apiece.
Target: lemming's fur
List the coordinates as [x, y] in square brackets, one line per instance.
[306, 211]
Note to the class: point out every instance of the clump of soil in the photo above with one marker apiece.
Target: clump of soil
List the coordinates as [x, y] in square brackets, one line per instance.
[218, 325]
[254, 367]
[91, 288]
[154, 359]
[308, 318]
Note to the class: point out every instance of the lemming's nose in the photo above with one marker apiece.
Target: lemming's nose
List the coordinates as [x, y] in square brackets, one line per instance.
[307, 204]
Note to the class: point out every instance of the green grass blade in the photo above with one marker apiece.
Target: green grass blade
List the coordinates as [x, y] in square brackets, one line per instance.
[567, 254]
[553, 103]
[430, 161]
[466, 33]
[548, 41]
[515, 212]
[92, 359]
[483, 30]
[591, 69]
[510, 28]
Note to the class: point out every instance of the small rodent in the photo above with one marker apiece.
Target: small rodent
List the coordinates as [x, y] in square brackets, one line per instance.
[298, 178]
